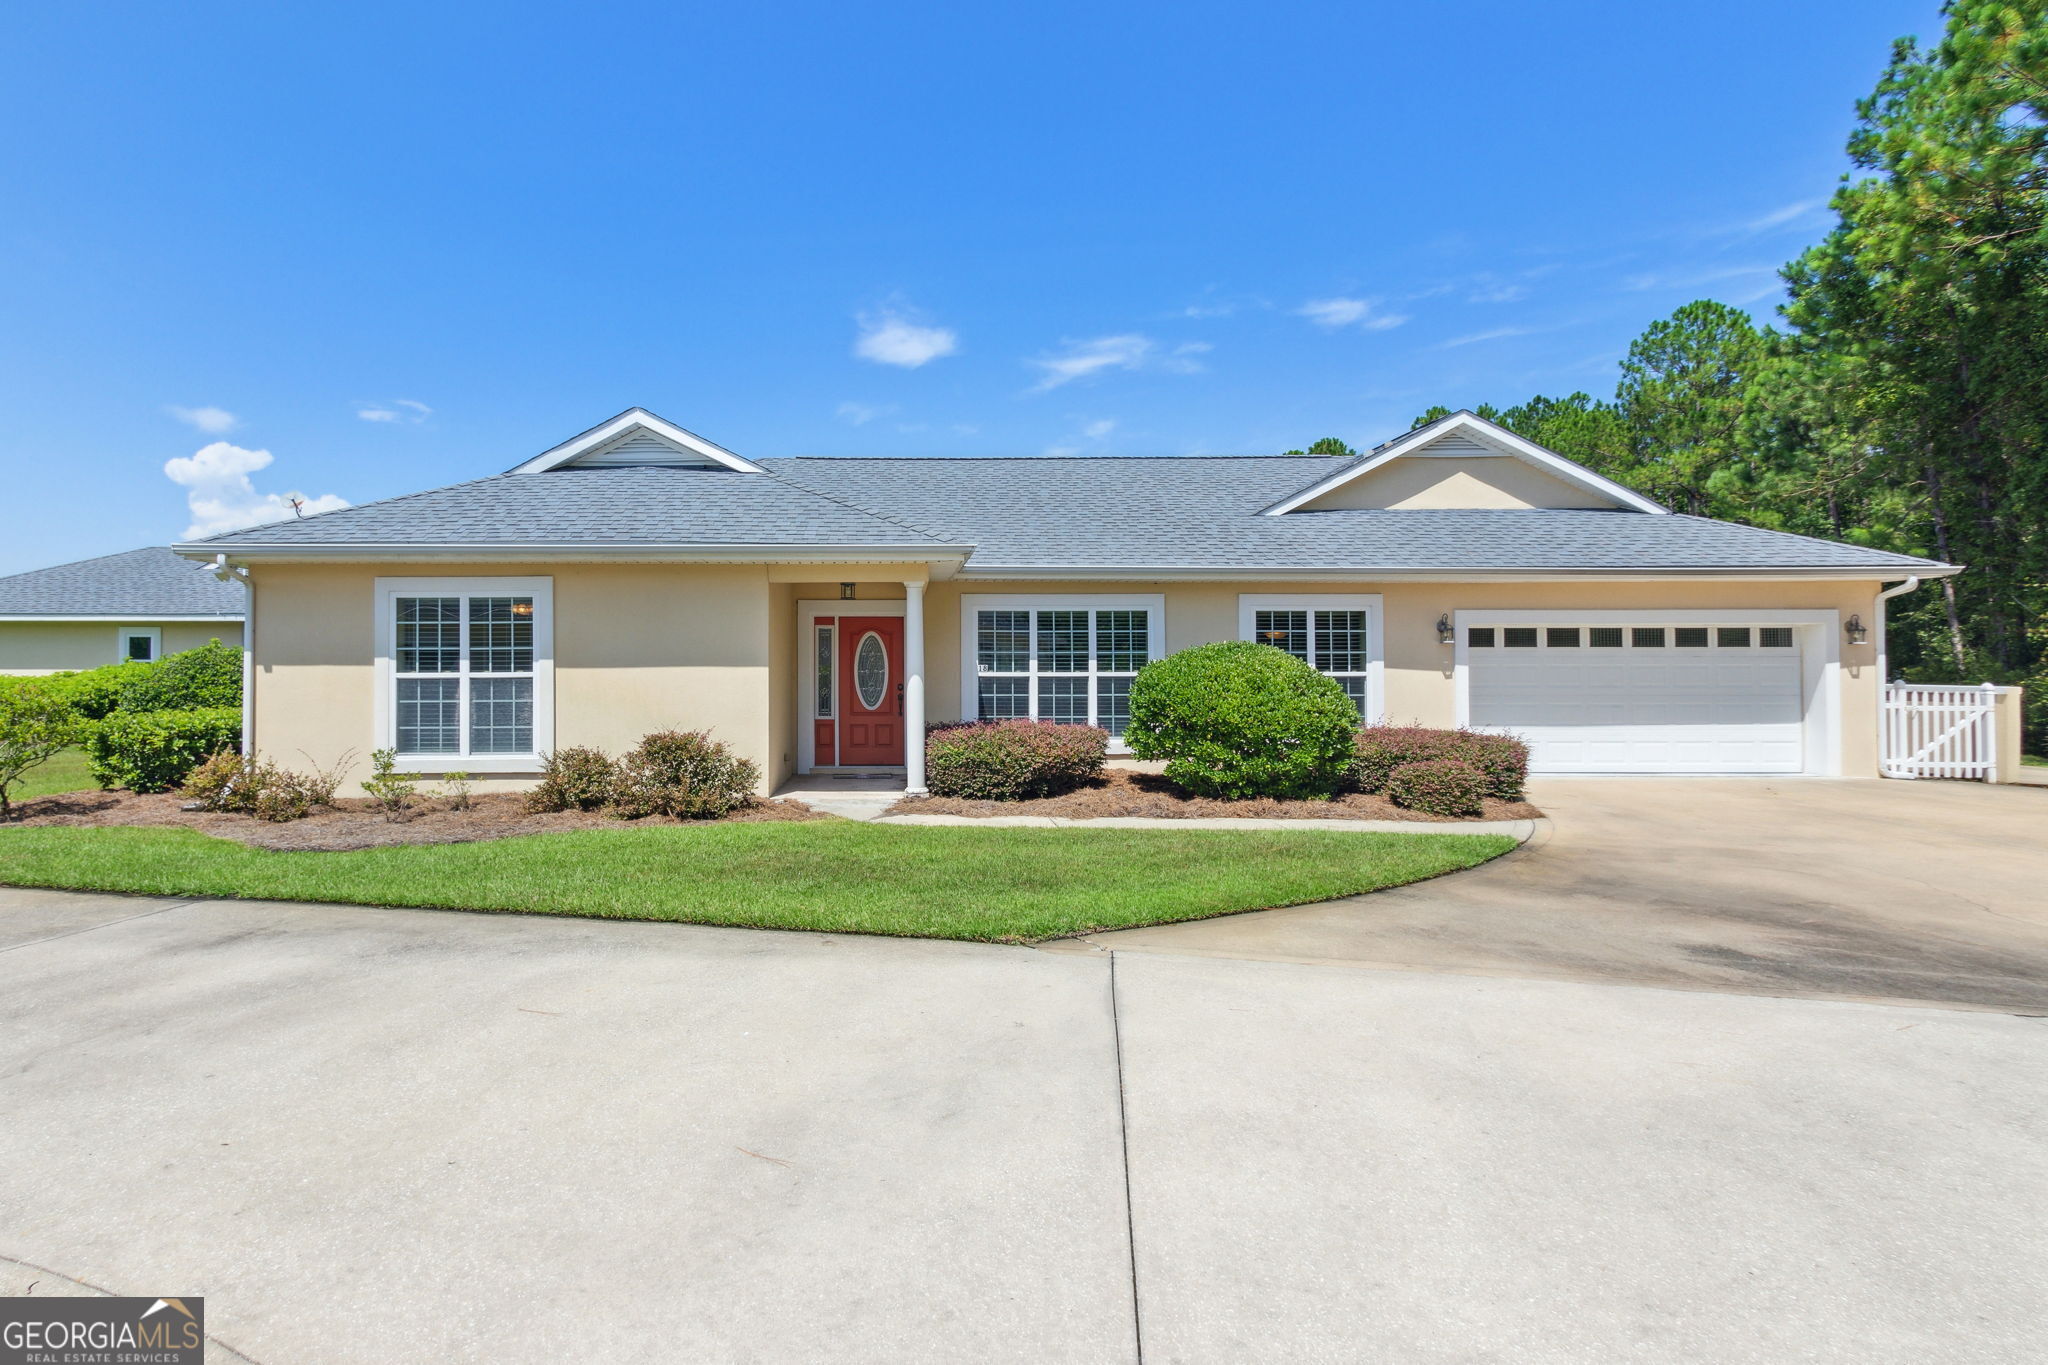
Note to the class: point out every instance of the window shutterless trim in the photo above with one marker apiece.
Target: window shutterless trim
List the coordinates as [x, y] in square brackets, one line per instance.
[385, 709]
[1249, 605]
[973, 604]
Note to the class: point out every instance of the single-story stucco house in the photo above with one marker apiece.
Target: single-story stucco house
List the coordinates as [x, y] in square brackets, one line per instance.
[815, 612]
[141, 604]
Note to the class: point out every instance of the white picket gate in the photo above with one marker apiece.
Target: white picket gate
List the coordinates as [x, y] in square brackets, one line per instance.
[1940, 730]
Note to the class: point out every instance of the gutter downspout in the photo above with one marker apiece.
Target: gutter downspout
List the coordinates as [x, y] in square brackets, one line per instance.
[228, 573]
[1883, 637]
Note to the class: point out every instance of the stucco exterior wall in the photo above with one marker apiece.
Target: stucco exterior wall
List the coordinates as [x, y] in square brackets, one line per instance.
[637, 647]
[35, 647]
[1418, 672]
[1474, 481]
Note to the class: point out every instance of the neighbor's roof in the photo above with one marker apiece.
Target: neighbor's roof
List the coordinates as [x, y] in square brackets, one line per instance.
[627, 506]
[138, 585]
[1195, 513]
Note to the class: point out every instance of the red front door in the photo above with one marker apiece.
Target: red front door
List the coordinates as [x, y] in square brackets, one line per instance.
[870, 690]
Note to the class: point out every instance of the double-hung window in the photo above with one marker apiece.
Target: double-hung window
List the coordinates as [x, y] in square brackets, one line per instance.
[1062, 658]
[1337, 635]
[465, 672]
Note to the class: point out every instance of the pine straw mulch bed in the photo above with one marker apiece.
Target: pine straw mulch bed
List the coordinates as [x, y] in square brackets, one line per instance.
[352, 824]
[1121, 791]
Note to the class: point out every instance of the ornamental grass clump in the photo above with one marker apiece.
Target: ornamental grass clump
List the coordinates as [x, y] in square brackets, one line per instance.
[1379, 749]
[1012, 760]
[1439, 786]
[683, 773]
[1239, 720]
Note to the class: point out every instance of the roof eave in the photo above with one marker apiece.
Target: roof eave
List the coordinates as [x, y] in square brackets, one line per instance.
[1504, 574]
[513, 552]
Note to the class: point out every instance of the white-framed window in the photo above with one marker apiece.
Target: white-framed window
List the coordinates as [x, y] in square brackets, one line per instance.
[139, 644]
[465, 672]
[1067, 658]
[1337, 634]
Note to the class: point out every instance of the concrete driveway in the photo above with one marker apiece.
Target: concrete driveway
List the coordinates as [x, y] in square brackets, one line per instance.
[1875, 890]
[380, 1135]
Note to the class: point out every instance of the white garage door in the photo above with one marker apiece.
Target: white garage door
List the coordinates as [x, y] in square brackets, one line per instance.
[1643, 698]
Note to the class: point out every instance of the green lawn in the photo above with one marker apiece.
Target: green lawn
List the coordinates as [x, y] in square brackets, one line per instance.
[1005, 885]
[2034, 760]
[64, 773]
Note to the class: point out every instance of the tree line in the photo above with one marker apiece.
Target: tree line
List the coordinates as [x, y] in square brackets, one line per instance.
[1902, 402]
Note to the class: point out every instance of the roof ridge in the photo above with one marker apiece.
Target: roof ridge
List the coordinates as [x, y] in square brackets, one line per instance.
[1034, 459]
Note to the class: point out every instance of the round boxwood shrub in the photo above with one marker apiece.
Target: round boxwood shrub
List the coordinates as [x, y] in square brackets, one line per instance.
[1438, 786]
[1239, 720]
[153, 751]
[1012, 760]
[210, 675]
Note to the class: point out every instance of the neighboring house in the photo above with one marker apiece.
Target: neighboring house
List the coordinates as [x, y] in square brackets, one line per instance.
[815, 612]
[142, 604]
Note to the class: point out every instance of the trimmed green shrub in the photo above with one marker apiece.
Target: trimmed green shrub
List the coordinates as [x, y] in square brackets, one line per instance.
[36, 724]
[1379, 749]
[1239, 720]
[153, 751]
[1012, 760]
[92, 693]
[684, 773]
[208, 676]
[1438, 786]
[573, 779]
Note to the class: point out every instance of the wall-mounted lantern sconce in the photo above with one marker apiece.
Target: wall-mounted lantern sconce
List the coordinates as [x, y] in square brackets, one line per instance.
[846, 592]
[1853, 628]
[1444, 634]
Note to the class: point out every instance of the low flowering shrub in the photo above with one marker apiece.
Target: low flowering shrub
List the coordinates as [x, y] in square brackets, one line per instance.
[573, 779]
[1438, 786]
[229, 782]
[1238, 720]
[683, 773]
[1379, 749]
[154, 751]
[1012, 760]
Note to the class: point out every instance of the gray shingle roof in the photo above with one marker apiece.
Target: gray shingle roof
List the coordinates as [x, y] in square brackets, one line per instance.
[630, 506]
[1203, 512]
[138, 584]
[1199, 513]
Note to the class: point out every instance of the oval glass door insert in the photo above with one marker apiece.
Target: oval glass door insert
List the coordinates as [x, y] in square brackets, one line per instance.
[871, 671]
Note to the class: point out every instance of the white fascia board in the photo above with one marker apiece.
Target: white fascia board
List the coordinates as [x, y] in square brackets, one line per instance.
[126, 618]
[619, 426]
[1488, 434]
[738, 553]
[1250, 573]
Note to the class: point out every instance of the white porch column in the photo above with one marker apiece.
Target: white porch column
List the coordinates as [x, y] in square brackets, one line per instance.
[913, 689]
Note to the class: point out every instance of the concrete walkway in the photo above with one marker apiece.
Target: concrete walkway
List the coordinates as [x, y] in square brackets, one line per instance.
[377, 1135]
[1903, 891]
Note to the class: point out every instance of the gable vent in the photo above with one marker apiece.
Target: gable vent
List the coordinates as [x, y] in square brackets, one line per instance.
[1453, 447]
[642, 447]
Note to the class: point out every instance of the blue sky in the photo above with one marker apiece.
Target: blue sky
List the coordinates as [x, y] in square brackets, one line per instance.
[397, 246]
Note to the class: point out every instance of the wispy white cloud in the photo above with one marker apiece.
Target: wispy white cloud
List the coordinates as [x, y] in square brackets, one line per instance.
[407, 410]
[212, 421]
[1129, 351]
[889, 337]
[1349, 312]
[1491, 334]
[1782, 216]
[1498, 293]
[860, 414]
[1682, 279]
[1099, 428]
[221, 497]
[1058, 451]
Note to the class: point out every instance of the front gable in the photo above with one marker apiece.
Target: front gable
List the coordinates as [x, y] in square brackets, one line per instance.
[1465, 463]
[637, 438]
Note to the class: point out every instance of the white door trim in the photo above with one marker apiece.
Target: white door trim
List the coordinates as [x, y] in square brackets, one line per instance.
[807, 614]
[1818, 635]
